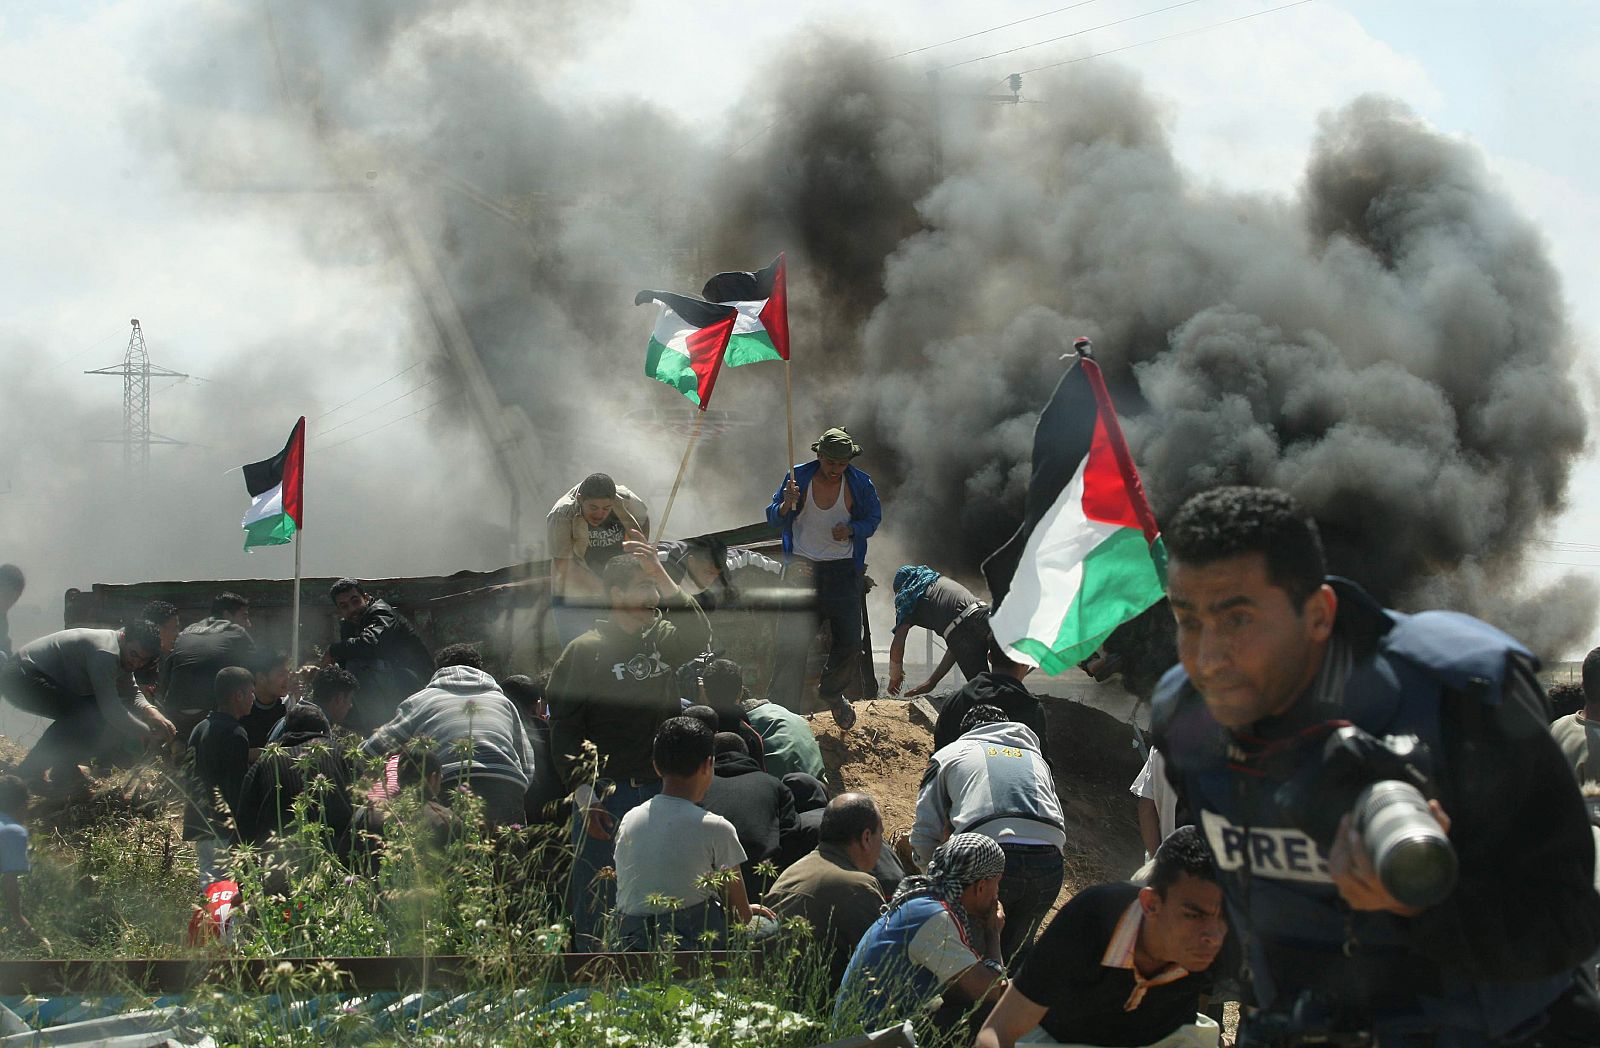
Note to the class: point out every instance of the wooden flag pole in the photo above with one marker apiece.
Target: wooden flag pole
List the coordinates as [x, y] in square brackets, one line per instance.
[788, 410]
[294, 641]
[694, 435]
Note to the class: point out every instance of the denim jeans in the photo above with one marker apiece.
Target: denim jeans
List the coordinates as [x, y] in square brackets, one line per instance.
[1028, 889]
[637, 932]
[591, 900]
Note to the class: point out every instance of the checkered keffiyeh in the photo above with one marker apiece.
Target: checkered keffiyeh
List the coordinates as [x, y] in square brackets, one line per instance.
[958, 863]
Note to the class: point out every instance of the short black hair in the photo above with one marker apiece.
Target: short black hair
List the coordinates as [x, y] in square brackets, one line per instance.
[724, 684]
[144, 633]
[980, 715]
[265, 660]
[847, 817]
[597, 486]
[1237, 521]
[524, 691]
[230, 682]
[13, 795]
[11, 575]
[729, 742]
[1591, 677]
[1566, 697]
[331, 681]
[417, 762]
[228, 602]
[159, 611]
[306, 718]
[1184, 851]
[344, 586]
[459, 655]
[681, 746]
[705, 715]
[621, 572]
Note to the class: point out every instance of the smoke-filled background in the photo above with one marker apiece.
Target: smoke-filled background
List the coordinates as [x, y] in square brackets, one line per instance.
[322, 209]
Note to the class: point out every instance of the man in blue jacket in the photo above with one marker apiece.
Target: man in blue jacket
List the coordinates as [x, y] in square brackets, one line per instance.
[827, 510]
[1275, 656]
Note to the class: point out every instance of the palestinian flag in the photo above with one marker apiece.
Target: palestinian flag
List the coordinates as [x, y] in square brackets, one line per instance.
[687, 345]
[1088, 556]
[277, 488]
[762, 299]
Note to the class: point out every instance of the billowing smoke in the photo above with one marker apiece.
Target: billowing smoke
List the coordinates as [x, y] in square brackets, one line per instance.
[1390, 345]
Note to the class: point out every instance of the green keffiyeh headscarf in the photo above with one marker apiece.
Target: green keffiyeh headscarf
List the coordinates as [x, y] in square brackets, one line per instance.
[910, 583]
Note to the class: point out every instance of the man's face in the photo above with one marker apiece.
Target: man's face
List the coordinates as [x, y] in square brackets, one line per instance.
[1187, 927]
[831, 469]
[701, 568]
[872, 846]
[243, 700]
[350, 604]
[136, 656]
[595, 511]
[241, 616]
[1247, 649]
[980, 896]
[640, 595]
[9, 595]
[337, 707]
[169, 633]
[273, 685]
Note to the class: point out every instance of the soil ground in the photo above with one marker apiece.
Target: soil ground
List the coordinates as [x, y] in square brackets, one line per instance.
[885, 753]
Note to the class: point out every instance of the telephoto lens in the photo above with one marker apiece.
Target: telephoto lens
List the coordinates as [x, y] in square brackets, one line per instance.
[1412, 855]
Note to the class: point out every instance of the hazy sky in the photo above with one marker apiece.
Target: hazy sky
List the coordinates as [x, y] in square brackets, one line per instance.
[98, 227]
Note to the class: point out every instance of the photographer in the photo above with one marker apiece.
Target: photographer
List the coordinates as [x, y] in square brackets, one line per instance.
[1277, 665]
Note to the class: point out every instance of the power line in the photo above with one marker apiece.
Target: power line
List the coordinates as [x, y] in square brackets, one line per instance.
[364, 392]
[1170, 36]
[986, 32]
[386, 425]
[1069, 36]
[380, 407]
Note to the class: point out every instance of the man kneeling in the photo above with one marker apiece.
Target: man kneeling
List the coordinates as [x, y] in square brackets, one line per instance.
[669, 848]
[1122, 965]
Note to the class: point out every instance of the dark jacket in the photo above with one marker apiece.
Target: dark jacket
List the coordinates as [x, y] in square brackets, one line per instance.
[838, 901]
[387, 657]
[865, 511]
[990, 689]
[760, 808]
[276, 781]
[214, 763]
[1493, 955]
[200, 652]
[260, 721]
[615, 688]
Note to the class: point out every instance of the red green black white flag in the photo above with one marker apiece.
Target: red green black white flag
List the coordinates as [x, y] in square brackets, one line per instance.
[277, 491]
[762, 299]
[687, 346]
[1088, 556]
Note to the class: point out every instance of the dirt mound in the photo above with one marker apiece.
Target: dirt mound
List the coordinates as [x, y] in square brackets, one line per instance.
[1094, 761]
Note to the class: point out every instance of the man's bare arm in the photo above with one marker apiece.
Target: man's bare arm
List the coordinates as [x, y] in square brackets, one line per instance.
[1014, 1016]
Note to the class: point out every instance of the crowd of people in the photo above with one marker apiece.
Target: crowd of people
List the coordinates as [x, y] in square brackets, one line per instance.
[696, 801]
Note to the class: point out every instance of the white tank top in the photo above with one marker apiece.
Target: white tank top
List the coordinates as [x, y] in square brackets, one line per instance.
[813, 530]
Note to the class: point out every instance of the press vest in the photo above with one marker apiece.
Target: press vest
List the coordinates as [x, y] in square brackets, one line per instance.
[1281, 899]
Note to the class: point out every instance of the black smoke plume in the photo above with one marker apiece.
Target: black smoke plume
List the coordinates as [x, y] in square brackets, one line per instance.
[1390, 344]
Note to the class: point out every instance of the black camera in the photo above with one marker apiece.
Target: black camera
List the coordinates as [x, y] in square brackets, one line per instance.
[1310, 1019]
[1380, 784]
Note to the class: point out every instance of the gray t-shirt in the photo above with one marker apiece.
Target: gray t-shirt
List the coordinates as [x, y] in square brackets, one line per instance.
[664, 846]
[941, 602]
[83, 662]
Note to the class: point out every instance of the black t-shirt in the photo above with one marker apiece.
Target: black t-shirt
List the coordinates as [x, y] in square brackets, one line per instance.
[260, 721]
[1085, 997]
[605, 542]
[939, 605]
